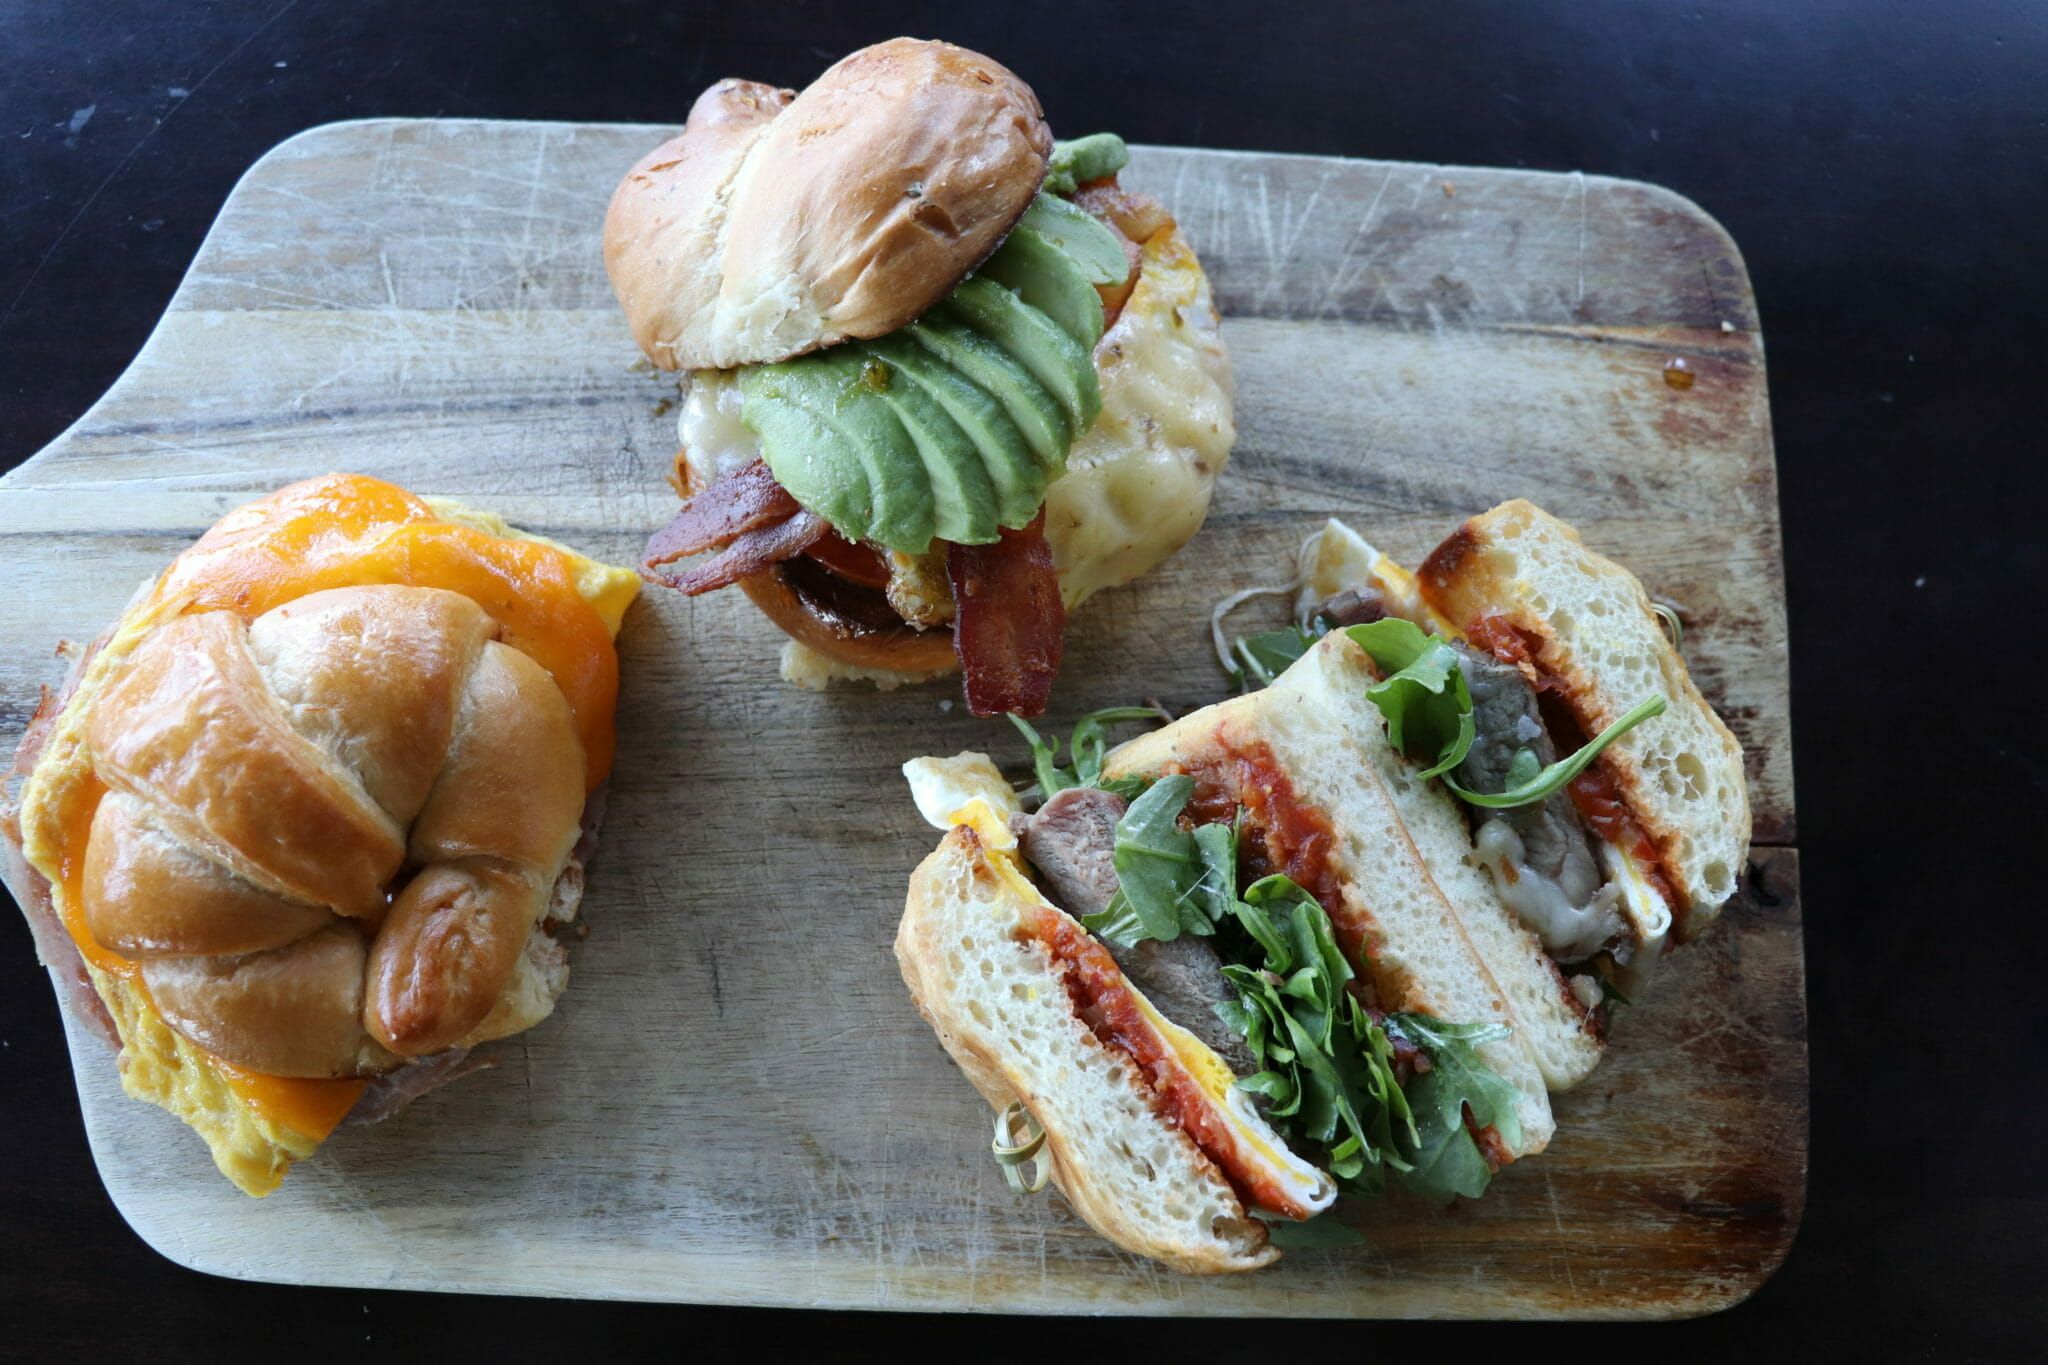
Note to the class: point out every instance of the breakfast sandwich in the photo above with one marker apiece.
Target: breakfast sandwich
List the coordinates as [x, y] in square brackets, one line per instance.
[303, 827]
[1278, 950]
[947, 377]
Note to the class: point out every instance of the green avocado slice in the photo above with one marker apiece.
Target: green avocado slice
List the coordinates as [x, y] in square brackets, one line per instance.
[1048, 279]
[1014, 482]
[844, 389]
[1084, 159]
[1037, 415]
[1055, 359]
[963, 499]
[1095, 249]
[810, 457]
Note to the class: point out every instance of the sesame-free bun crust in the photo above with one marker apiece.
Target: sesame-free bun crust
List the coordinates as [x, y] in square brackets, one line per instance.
[1000, 1006]
[1680, 774]
[776, 224]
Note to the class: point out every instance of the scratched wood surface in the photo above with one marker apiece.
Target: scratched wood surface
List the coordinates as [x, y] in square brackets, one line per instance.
[735, 1101]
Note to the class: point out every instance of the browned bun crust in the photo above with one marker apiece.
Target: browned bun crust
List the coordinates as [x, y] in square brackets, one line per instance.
[846, 637]
[771, 226]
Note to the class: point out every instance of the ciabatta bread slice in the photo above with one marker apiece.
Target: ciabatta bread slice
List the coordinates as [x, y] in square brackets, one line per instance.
[1680, 774]
[999, 1003]
[1423, 926]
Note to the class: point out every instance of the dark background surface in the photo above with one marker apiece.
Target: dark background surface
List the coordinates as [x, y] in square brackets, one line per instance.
[1884, 167]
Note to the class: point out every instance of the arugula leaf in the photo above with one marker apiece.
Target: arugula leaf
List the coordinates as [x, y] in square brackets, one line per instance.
[1328, 1068]
[1088, 745]
[1264, 657]
[1157, 865]
[1444, 1159]
[1216, 891]
[1528, 783]
[1116, 923]
[1423, 695]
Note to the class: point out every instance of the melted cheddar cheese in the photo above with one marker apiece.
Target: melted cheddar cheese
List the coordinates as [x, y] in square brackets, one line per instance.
[560, 608]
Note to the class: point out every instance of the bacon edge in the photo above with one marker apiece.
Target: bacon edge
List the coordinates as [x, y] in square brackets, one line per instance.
[1009, 624]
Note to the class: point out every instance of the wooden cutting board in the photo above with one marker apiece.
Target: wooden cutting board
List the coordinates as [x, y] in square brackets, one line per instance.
[735, 1101]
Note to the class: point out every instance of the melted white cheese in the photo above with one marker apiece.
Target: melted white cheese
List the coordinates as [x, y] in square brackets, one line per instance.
[1569, 932]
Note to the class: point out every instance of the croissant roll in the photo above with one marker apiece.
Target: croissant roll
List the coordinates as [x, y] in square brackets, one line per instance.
[291, 1011]
[149, 894]
[446, 952]
[330, 832]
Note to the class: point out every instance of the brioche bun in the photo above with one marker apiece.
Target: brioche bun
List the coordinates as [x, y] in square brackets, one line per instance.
[775, 224]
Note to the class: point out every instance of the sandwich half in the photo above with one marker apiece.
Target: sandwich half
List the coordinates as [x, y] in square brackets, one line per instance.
[1222, 997]
[1563, 653]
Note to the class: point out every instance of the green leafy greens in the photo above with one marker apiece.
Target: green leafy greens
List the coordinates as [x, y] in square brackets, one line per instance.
[1423, 696]
[1326, 1066]
[1528, 781]
[1328, 1071]
[1158, 865]
[1087, 745]
[1444, 1160]
[1262, 658]
[1421, 692]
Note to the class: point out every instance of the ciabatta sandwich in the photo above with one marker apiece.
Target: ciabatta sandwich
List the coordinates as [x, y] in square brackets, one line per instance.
[1559, 645]
[1336, 802]
[947, 378]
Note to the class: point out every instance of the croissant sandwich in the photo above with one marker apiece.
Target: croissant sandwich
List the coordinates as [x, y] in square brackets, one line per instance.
[300, 825]
[1277, 950]
[947, 378]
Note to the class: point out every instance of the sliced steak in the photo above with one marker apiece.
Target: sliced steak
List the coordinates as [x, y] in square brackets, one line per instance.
[1184, 981]
[1071, 840]
[1352, 607]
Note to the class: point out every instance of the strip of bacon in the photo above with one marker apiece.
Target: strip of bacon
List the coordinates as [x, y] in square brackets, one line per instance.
[748, 554]
[747, 499]
[1010, 627]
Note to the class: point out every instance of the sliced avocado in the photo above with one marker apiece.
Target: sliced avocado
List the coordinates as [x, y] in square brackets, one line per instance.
[810, 457]
[963, 500]
[1088, 158]
[1036, 342]
[1013, 480]
[1098, 251]
[1047, 278]
[1037, 415]
[842, 388]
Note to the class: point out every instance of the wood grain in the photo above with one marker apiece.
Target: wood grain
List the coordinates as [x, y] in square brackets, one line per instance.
[736, 1101]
